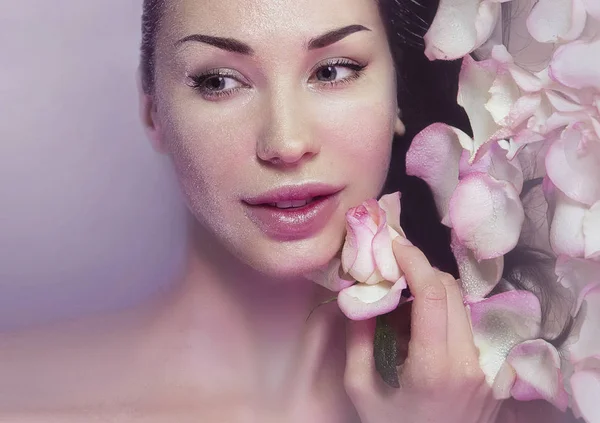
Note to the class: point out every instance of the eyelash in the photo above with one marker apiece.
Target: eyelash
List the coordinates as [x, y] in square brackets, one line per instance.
[198, 81]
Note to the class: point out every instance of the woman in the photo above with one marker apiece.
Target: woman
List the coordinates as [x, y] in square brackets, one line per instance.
[278, 117]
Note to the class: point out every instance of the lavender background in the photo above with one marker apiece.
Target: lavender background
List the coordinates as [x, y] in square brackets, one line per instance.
[90, 217]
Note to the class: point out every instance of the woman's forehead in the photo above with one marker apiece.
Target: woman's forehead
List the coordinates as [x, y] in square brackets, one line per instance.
[257, 18]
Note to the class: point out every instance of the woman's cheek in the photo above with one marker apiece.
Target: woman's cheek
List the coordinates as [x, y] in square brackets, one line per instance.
[361, 139]
[205, 160]
[208, 147]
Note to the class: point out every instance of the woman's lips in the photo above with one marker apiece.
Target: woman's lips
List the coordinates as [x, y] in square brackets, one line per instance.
[293, 223]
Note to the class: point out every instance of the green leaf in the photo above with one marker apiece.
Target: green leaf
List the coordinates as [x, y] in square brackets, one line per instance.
[385, 351]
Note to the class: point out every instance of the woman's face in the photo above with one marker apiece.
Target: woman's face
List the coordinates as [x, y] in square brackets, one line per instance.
[258, 102]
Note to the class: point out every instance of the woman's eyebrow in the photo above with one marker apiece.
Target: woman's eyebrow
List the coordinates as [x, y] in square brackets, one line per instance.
[237, 46]
[332, 37]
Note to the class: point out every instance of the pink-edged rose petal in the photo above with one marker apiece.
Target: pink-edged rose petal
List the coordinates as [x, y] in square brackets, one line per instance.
[537, 367]
[551, 21]
[591, 232]
[357, 254]
[477, 278]
[460, 27]
[585, 385]
[363, 301]
[587, 344]
[495, 163]
[573, 165]
[501, 322]
[576, 64]
[433, 156]
[487, 215]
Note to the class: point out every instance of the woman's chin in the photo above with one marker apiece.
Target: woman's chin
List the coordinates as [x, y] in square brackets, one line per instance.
[295, 259]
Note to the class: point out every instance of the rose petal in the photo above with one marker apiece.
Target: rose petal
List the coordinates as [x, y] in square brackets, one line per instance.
[376, 216]
[504, 381]
[523, 109]
[577, 275]
[501, 322]
[593, 8]
[475, 81]
[331, 276]
[538, 123]
[576, 64]
[566, 222]
[562, 104]
[504, 93]
[591, 232]
[478, 278]
[362, 301]
[551, 21]
[588, 337]
[433, 156]
[527, 81]
[560, 120]
[537, 366]
[459, 28]
[574, 166]
[495, 163]
[586, 391]
[520, 140]
[390, 204]
[385, 260]
[357, 259]
[487, 215]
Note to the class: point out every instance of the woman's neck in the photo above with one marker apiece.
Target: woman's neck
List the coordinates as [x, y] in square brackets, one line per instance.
[266, 319]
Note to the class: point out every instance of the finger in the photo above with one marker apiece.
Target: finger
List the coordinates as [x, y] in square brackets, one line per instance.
[429, 309]
[360, 374]
[460, 336]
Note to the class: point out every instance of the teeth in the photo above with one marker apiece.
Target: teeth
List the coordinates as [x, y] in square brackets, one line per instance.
[299, 203]
[291, 204]
[283, 205]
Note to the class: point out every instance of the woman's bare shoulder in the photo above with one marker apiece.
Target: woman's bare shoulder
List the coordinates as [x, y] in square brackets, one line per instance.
[69, 363]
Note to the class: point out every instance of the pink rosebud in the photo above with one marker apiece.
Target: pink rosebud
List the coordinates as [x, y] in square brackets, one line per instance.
[367, 253]
[368, 257]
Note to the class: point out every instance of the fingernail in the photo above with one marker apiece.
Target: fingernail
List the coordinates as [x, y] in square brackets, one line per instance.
[403, 241]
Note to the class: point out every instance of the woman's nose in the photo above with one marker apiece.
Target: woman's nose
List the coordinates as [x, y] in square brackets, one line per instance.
[286, 138]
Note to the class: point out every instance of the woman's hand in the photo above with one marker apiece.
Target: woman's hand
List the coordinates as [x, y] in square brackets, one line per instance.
[440, 380]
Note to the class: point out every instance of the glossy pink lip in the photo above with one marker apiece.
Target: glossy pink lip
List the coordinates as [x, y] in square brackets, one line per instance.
[294, 223]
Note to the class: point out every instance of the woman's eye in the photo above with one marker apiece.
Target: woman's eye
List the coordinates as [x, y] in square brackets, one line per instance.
[215, 85]
[220, 83]
[331, 73]
[336, 72]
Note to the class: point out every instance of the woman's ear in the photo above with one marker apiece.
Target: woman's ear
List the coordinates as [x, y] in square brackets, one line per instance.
[148, 116]
[399, 127]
